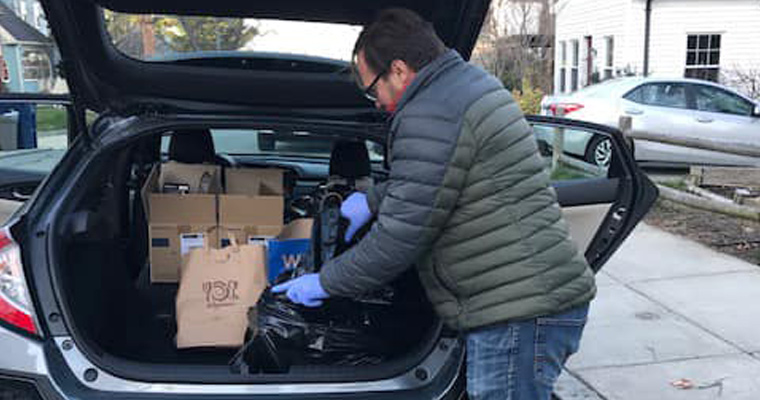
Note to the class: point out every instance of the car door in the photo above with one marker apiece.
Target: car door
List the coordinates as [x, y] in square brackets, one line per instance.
[601, 204]
[37, 117]
[723, 116]
[663, 108]
[35, 131]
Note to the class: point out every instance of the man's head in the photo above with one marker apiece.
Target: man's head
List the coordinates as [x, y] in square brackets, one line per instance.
[389, 53]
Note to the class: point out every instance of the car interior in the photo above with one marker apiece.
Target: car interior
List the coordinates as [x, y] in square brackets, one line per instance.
[126, 324]
[124, 319]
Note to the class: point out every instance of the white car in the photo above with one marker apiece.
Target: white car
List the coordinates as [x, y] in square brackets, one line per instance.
[681, 108]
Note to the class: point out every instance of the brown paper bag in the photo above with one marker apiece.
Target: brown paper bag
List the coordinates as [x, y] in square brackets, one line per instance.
[216, 289]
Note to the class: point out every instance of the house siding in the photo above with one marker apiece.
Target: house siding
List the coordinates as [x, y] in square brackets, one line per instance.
[577, 19]
[738, 22]
[672, 21]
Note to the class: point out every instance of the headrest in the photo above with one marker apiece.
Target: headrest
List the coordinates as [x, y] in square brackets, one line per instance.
[350, 160]
[192, 146]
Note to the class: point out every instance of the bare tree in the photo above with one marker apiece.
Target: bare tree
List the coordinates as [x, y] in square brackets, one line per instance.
[515, 43]
[743, 79]
[488, 53]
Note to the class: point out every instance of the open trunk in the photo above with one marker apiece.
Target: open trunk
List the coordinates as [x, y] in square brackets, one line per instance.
[126, 325]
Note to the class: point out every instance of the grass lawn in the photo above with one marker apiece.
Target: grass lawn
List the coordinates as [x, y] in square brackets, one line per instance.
[50, 119]
[566, 173]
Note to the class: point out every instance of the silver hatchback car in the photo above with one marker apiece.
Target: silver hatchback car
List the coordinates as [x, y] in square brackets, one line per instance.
[681, 108]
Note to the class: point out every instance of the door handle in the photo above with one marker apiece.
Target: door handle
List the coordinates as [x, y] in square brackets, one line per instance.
[704, 120]
[633, 111]
[20, 197]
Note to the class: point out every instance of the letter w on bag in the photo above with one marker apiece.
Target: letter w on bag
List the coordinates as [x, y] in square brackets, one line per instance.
[291, 261]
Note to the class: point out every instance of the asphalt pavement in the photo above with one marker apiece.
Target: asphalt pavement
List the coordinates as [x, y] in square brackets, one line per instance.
[673, 319]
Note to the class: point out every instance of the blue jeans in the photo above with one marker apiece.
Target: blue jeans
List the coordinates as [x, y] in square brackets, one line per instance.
[522, 360]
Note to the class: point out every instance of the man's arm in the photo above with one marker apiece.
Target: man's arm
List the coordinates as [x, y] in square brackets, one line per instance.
[375, 195]
[428, 171]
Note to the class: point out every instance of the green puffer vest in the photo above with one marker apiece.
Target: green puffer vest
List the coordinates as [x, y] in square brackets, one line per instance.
[468, 202]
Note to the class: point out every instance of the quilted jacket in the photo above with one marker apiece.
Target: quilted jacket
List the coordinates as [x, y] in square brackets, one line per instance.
[468, 203]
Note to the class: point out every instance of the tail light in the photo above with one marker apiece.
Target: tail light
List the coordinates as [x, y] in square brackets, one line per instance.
[15, 304]
[564, 108]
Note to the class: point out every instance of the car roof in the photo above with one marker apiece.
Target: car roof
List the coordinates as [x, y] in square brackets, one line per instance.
[623, 85]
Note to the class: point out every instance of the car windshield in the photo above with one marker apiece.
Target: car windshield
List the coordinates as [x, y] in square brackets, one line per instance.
[167, 37]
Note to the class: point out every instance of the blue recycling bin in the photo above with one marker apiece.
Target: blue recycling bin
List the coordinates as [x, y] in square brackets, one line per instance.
[27, 123]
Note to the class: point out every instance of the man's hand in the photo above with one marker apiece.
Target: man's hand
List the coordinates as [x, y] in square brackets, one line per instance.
[356, 210]
[305, 289]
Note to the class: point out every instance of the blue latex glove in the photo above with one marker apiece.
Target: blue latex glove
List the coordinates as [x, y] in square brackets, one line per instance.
[356, 210]
[305, 290]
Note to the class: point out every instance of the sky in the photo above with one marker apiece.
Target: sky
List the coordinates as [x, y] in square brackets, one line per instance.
[310, 38]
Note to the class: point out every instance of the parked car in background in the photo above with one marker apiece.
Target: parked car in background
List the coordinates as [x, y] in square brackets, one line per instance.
[681, 108]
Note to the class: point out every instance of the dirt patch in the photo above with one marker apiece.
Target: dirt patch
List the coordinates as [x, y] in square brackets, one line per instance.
[734, 236]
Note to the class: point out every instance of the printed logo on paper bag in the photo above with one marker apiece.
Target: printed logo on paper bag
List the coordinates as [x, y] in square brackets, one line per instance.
[220, 293]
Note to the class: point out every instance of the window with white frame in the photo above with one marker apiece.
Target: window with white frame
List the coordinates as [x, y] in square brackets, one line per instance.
[609, 59]
[574, 65]
[703, 56]
[562, 67]
[36, 64]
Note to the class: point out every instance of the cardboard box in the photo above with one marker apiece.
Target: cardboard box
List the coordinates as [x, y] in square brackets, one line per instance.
[173, 218]
[254, 181]
[252, 204]
[197, 209]
[194, 175]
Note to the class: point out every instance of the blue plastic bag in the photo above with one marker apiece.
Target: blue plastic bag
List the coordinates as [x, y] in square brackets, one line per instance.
[286, 255]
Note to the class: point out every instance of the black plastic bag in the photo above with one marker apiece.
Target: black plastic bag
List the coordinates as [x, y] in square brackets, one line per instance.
[341, 332]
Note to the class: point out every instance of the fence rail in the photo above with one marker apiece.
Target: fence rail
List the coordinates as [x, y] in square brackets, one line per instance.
[740, 149]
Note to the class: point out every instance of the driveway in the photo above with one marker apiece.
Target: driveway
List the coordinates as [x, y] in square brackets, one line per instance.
[669, 309]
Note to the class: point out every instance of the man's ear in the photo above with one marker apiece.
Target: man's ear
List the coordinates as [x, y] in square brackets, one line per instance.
[402, 70]
[400, 67]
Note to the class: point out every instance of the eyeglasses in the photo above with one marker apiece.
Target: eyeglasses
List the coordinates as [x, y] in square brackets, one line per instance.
[371, 91]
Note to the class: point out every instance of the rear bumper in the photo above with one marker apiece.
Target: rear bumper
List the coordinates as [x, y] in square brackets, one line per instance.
[37, 370]
[23, 368]
[14, 385]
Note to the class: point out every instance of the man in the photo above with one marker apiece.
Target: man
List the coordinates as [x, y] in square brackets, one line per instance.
[468, 203]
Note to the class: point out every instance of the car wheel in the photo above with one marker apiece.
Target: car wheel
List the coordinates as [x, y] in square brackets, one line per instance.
[599, 151]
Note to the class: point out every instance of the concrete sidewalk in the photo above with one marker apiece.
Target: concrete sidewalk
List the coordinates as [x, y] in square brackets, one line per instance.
[669, 309]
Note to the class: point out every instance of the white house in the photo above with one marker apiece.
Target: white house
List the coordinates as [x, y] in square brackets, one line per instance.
[709, 39]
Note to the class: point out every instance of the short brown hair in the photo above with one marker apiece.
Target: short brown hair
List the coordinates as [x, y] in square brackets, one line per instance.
[399, 34]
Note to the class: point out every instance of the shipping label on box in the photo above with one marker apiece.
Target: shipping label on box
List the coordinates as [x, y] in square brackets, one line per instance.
[173, 214]
[168, 245]
[243, 234]
[189, 241]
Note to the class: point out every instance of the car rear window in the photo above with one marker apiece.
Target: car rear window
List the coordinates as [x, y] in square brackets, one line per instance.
[268, 142]
[171, 37]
